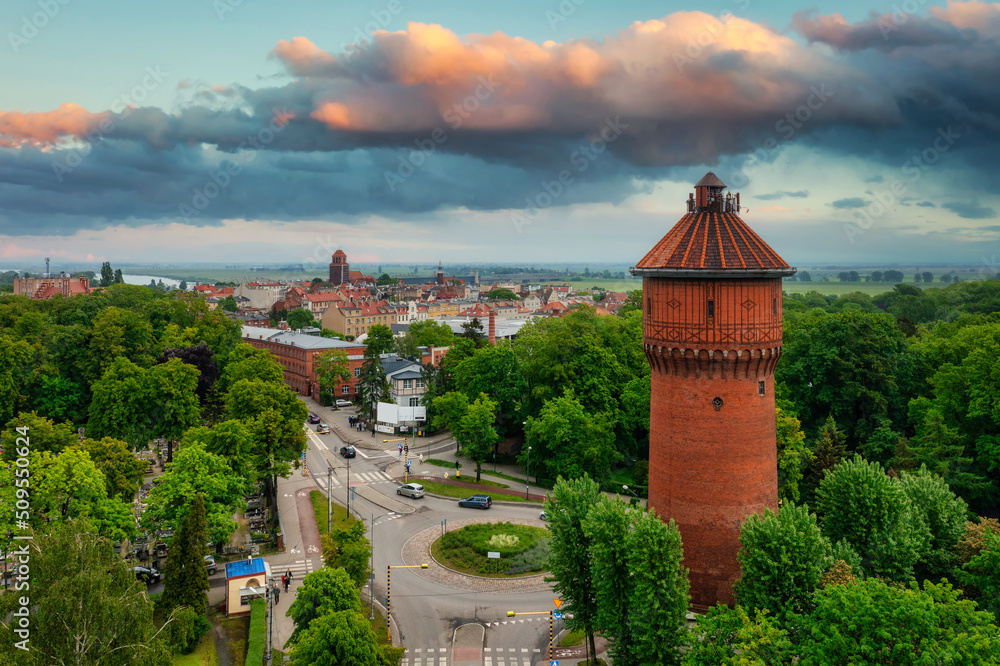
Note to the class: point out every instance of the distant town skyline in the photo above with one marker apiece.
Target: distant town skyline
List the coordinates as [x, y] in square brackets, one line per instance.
[240, 132]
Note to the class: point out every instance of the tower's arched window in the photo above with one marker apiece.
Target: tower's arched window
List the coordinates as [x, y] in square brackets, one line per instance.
[649, 305]
[711, 308]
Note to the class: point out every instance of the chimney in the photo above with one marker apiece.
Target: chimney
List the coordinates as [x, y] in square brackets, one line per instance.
[493, 328]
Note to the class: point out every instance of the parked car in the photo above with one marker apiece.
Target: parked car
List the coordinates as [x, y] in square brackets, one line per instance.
[313, 418]
[414, 490]
[476, 502]
[323, 429]
[343, 403]
[147, 574]
[210, 565]
[348, 451]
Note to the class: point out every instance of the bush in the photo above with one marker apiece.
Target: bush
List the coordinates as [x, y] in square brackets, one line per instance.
[186, 629]
[640, 473]
[258, 633]
[477, 538]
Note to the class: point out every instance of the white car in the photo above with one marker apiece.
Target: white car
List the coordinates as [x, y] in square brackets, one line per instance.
[343, 403]
[414, 490]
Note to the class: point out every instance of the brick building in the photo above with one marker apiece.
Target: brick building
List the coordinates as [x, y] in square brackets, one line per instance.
[41, 289]
[712, 335]
[296, 353]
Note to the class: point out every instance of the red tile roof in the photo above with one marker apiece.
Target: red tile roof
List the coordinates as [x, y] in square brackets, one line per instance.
[712, 242]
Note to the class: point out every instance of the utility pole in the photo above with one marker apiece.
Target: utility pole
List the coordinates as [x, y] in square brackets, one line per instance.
[269, 596]
[329, 499]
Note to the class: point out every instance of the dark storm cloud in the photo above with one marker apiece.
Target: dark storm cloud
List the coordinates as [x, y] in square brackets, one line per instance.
[422, 119]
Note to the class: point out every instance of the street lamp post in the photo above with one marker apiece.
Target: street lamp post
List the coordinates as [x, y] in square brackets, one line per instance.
[630, 491]
[388, 581]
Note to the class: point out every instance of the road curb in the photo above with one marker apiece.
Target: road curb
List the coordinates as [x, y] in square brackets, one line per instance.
[500, 502]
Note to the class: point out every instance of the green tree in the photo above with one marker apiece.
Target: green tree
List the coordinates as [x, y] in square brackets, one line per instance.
[828, 452]
[195, 471]
[185, 578]
[228, 304]
[982, 571]
[122, 471]
[859, 503]
[248, 362]
[633, 425]
[343, 638]
[329, 590]
[183, 285]
[783, 557]
[331, 366]
[944, 515]
[120, 406]
[173, 400]
[43, 434]
[230, 440]
[729, 637]
[107, 274]
[381, 339]
[349, 549]
[793, 454]
[567, 507]
[570, 442]
[119, 278]
[274, 416]
[300, 318]
[449, 410]
[431, 333]
[871, 622]
[15, 359]
[494, 371]
[373, 386]
[475, 431]
[87, 607]
[854, 366]
[640, 587]
[472, 331]
[386, 279]
[118, 332]
[502, 295]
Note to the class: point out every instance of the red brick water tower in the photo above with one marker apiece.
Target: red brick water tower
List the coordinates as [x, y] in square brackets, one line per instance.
[712, 334]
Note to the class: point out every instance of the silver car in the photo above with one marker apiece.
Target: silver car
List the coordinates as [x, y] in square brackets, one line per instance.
[414, 490]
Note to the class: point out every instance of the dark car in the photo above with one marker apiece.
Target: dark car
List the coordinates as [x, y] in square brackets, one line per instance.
[348, 451]
[313, 418]
[147, 574]
[476, 502]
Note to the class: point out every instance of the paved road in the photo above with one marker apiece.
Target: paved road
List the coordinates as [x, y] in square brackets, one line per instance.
[427, 608]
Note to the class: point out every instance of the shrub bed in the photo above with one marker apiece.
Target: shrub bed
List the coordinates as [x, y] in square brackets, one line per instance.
[523, 549]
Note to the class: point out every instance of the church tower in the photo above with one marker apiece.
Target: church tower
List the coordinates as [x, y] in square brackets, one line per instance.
[712, 335]
[340, 270]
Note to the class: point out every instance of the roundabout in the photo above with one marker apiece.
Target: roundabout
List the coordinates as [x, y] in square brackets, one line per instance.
[417, 550]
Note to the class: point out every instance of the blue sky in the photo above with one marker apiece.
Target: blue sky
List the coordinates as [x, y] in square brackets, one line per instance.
[518, 177]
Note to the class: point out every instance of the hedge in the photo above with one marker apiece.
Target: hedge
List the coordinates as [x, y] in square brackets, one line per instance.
[258, 633]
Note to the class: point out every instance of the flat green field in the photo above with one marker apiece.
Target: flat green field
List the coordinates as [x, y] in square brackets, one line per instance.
[839, 288]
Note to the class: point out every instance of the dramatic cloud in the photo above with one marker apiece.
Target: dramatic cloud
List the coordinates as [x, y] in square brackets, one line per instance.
[421, 119]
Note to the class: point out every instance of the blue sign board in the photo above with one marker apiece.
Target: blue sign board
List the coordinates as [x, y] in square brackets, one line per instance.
[557, 615]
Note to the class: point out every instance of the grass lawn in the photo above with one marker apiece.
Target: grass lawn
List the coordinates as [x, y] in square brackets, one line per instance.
[572, 638]
[441, 463]
[541, 483]
[462, 492]
[203, 655]
[341, 519]
[237, 630]
[378, 626]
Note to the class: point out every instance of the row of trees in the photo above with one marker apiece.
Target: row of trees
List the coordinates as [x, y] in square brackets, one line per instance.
[890, 276]
[841, 587]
